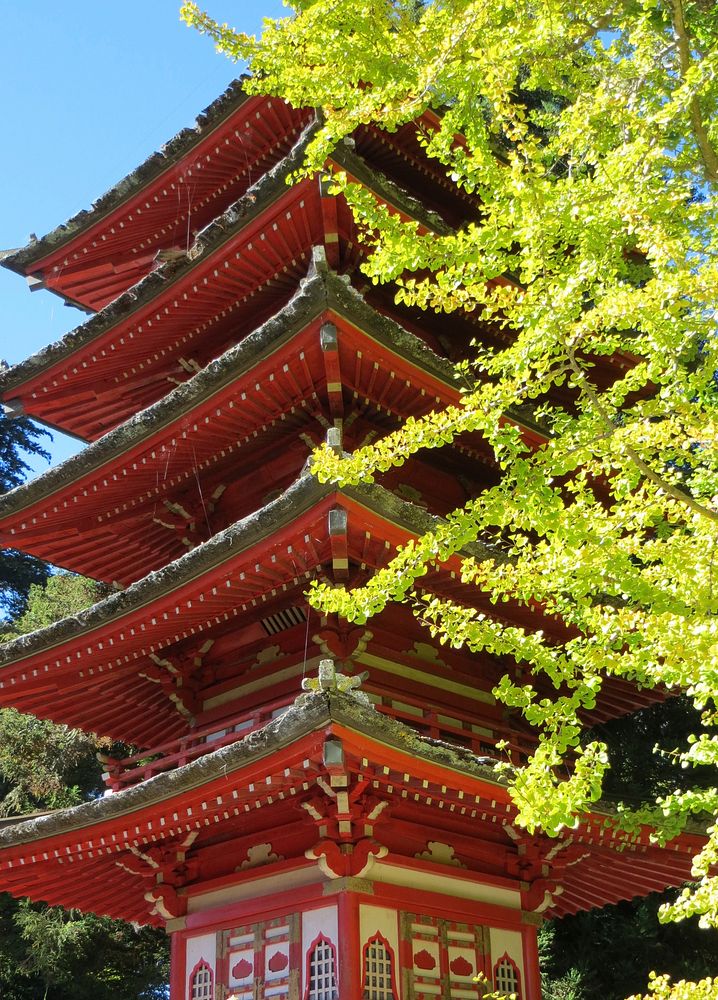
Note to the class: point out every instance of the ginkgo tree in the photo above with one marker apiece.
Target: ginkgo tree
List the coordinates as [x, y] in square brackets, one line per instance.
[588, 132]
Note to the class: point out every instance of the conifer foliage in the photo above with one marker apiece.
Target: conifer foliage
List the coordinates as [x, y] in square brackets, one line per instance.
[47, 953]
[19, 439]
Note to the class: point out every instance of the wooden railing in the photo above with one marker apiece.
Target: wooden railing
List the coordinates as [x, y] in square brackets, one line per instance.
[482, 745]
[121, 773]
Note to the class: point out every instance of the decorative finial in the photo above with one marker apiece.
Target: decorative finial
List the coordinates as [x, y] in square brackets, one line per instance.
[329, 680]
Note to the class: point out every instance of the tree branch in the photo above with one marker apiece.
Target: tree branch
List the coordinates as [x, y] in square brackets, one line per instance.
[708, 153]
[648, 472]
[593, 28]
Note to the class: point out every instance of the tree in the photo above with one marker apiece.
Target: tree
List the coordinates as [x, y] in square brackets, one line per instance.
[596, 248]
[46, 951]
[607, 954]
[18, 571]
[43, 765]
[18, 436]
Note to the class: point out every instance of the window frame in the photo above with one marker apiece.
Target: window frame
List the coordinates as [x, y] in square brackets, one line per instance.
[320, 939]
[507, 960]
[378, 937]
[201, 964]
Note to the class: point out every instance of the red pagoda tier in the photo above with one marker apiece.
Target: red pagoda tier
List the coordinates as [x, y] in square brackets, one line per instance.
[332, 832]
[198, 301]
[296, 835]
[139, 496]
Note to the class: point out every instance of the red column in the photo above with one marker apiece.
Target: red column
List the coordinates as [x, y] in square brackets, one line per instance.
[178, 972]
[350, 972]
[532, 975]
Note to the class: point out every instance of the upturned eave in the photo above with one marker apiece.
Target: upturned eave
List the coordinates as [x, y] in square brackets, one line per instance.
[113, 472]
[101, 252]
[125, 342]
[102, 840]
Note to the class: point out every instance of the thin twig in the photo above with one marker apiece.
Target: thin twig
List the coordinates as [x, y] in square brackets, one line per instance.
[593, 29]
[708, 153]
[648, 472]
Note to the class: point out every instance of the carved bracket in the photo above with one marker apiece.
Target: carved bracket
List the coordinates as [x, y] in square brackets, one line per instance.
[189, 518]
[342, 860]
[181, 677]
[165, 869]
[345, 813]
[340, 639]
[539, 865]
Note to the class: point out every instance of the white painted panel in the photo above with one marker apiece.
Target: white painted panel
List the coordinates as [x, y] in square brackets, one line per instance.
[324, 920]
[424, 953]
[320, 921]
[508, 942]
[250, 888]
[276, 961]
[382, 919]
[462, 964]
[462, 888]
[385, 921]
[202, 948]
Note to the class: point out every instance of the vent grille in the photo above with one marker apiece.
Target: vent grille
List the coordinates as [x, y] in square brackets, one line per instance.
[283, 620]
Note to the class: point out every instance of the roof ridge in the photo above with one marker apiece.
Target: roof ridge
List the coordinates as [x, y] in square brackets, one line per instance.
[246, 208]
[298, 498]
[150, 168]
[317, 291]
[309, 712]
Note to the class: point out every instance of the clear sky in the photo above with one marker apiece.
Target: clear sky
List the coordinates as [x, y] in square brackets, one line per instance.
[89, 89]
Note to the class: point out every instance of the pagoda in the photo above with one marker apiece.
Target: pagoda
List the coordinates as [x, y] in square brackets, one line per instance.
[312, 809]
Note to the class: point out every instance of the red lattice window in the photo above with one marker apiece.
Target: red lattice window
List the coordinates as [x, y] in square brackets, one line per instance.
[446, 957]
[259, 952]
[201, 984]
[506, 977]
[321, 971]
[378, 970]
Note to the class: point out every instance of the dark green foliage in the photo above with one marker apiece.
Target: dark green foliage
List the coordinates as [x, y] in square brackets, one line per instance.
[54, 955]
[44, 766]
[17, 437]
[62, 595]
[47, 952]
[642, 752]
[18, 571]
[607, 954]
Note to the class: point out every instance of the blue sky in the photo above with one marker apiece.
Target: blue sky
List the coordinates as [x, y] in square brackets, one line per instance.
[89, 89]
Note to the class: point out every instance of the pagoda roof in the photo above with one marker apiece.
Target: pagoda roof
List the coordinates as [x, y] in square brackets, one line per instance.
[100, 252]
[67, 516]
[311, 711]
[249, 566]
[247, 261]
[245, 573]
[192, 808]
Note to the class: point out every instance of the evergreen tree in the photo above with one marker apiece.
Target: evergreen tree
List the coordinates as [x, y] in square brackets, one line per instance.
[608, 954]
[46, 951]
[19, 438]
